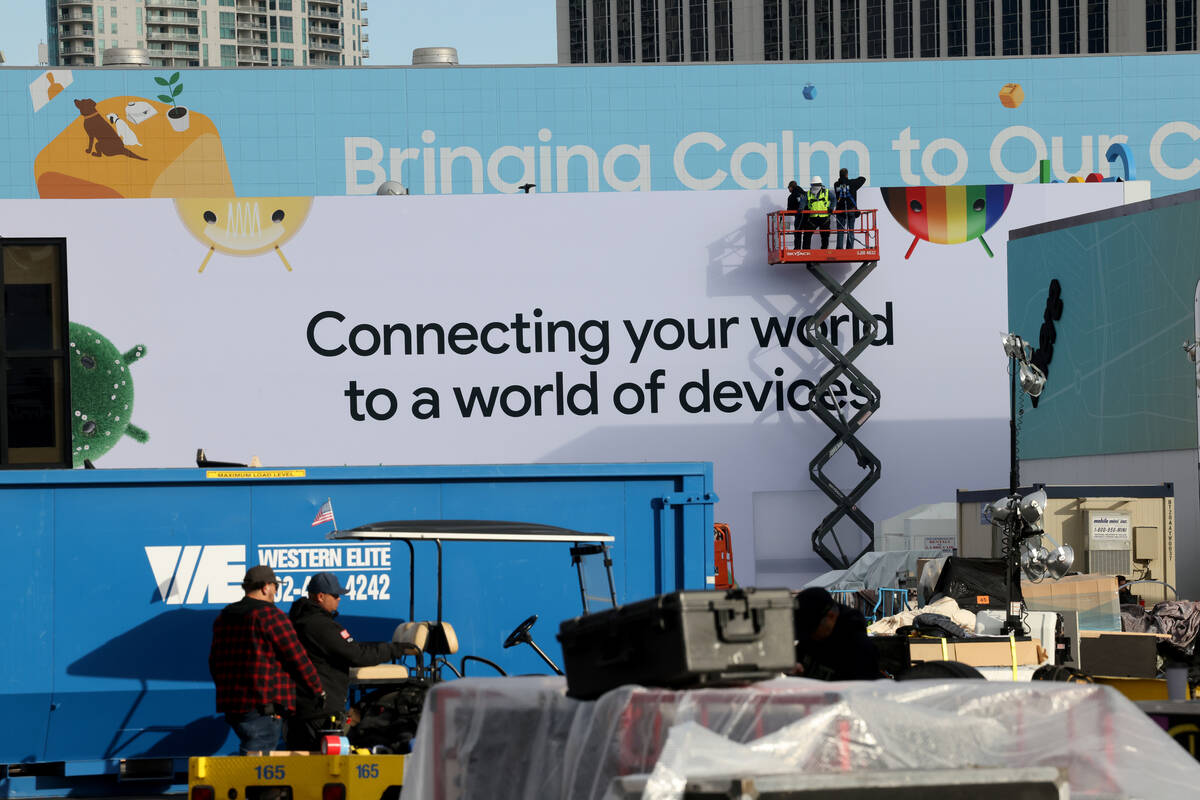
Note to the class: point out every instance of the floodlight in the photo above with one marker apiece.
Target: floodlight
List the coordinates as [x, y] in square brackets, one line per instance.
[1060, 561]
[1033, 380]
[1014, 346]
[1033, 561]
[998, 511]
[1033, 506]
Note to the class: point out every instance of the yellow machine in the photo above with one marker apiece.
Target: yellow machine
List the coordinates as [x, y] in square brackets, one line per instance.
[296, 777]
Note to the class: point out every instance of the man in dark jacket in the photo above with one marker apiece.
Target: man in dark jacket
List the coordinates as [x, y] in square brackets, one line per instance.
[831, 639]
[256, 662]
[845, 194]
[795, 203]
[333, 651]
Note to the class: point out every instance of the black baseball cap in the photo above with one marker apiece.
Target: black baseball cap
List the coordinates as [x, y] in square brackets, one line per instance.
[259, 574]
[327, 583]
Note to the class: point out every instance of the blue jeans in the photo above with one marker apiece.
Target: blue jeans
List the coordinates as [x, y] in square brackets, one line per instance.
[845, 228]
[256, 731]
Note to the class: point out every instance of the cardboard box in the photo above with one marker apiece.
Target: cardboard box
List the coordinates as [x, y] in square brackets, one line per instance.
[989, 653]
[1093, 596]
[1120, 655]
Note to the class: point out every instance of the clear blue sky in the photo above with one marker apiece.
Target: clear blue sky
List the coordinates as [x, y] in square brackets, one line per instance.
[485, 32]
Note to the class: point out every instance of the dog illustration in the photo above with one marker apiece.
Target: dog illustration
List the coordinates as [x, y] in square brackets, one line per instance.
[102, 137]
[128, 137]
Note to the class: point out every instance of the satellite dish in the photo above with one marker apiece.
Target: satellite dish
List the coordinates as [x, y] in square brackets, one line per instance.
[391, 188]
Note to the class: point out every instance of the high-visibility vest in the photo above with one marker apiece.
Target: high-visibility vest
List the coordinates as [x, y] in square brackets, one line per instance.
[819, 203]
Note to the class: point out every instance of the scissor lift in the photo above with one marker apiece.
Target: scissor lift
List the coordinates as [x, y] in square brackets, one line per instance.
[866, 251]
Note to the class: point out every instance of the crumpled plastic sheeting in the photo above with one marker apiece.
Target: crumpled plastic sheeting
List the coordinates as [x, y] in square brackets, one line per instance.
[498, 738]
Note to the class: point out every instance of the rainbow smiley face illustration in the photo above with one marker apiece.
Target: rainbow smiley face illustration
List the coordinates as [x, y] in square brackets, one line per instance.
[947, 214]
[243, 226]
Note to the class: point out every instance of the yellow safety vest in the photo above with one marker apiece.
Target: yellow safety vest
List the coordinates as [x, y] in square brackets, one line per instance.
[819, 203]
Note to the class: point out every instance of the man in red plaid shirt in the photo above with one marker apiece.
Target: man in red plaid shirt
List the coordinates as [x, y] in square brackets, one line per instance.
[256, 661]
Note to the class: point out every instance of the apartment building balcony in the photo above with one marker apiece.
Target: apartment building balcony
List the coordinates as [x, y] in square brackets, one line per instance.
[251, 24]
[75, 15]
[366, 53]
[335, 5]
[191, 5]
[324, 46]
[176, 18]
[251, 39]
[77, 49]
[325, 30]
[363, 22]
[315, 13]
[324, 60]
[76, 32]
[252, 7]
[69, 3]
[363, 5]
[78, 61]
[171, 36]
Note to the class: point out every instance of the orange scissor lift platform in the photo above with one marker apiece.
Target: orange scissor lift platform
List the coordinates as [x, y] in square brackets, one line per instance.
[781, 238]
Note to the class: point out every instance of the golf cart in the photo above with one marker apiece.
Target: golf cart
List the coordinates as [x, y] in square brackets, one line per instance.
[436, 639]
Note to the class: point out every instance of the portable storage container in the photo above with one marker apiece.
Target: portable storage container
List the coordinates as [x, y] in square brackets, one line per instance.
[681, 639]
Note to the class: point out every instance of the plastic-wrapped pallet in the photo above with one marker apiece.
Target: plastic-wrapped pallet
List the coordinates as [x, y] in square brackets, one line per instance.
[509, 738]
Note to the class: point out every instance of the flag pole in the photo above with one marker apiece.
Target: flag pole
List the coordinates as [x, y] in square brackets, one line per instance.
[331, 516]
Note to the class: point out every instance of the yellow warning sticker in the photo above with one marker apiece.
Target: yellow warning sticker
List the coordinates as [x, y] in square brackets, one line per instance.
[254, 473]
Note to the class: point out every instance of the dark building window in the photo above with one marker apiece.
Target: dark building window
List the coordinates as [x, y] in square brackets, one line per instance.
[930, 28]
[1039, 27]
[674, 30]
[625, 31]
[798, 30]
[823, 29]
[876, 29]
[1185, 25]
[600, 31]
[850, 29]
[956, 28]
[902, 29]
[577, 22]
[1097, 26]
[698, 27]
[723, 29]
[1068, 27]
[984, 40]
[35, 407]
[1010, 27]
[773, 30]
[1156, 26]
[650, 31]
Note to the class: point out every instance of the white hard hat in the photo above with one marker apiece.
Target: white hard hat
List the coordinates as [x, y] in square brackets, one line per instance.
[817, 179]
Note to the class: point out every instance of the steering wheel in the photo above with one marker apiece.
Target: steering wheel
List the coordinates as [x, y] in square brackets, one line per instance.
[521, 633]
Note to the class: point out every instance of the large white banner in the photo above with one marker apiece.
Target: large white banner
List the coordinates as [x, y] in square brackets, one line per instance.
[535, 328]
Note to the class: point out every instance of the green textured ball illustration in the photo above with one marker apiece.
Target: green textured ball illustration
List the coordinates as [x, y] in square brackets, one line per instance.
[101, 394]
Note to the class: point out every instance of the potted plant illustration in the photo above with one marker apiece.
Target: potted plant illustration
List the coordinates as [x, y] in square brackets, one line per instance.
[178, 115]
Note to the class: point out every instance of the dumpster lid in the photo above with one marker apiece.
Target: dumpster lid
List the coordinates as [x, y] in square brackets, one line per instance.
[468, 530]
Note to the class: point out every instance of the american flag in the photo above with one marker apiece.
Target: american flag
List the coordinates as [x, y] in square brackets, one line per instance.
[324, 514]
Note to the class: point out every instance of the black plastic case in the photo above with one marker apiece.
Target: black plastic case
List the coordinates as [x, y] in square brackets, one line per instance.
[681, 640]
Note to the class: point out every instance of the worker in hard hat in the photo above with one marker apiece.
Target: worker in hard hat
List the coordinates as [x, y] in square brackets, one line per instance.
[817, 218]
[333, 651]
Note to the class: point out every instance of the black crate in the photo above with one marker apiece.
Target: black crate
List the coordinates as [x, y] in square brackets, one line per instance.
[681, 640]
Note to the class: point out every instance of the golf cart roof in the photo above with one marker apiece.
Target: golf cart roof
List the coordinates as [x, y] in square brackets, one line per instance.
[472, 530]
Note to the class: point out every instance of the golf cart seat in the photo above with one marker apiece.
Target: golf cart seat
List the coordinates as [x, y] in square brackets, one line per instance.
[435, 639]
